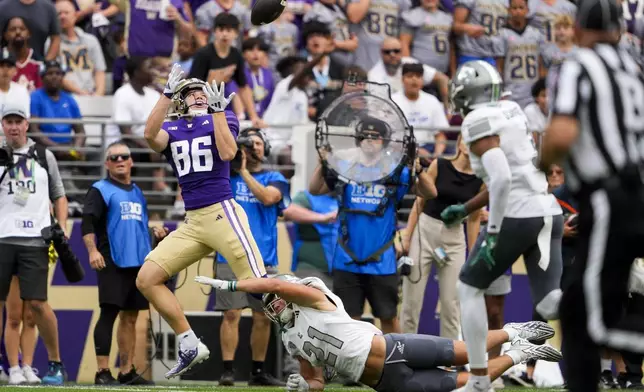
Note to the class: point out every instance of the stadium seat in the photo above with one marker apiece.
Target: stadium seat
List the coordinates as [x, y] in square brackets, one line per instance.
[92, 107]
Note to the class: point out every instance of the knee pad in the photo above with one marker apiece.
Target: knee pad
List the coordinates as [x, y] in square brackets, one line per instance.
[548, 307]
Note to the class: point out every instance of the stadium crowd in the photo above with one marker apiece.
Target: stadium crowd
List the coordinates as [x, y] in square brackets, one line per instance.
[55, 54]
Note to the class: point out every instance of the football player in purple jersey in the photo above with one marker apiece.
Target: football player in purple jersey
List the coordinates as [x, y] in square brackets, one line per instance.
[198, 139]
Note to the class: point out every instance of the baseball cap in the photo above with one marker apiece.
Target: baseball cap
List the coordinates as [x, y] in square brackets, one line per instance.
[49, 64]
[7, 58]
[371, 124]
[14, 108]
[601, 15]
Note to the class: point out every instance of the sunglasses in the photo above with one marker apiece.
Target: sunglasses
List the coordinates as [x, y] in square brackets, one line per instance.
[115, 157]
[391, 51]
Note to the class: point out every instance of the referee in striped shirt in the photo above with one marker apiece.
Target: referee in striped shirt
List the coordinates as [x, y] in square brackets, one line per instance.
[597, 126]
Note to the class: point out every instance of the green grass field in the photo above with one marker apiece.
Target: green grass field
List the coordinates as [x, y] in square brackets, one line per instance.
[203, 388]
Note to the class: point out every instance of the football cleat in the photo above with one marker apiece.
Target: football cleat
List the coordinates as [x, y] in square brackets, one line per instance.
[188, 359]
[522, 350]
[532, 331]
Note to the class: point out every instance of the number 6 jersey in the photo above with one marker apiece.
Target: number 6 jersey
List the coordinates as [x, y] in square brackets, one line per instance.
[203, 176]
[330, 338]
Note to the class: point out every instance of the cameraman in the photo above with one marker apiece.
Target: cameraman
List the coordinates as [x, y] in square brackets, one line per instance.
[264, 195]
[115, 216]
[28, 182]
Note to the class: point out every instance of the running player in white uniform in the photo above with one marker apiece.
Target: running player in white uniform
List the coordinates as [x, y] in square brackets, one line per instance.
[523, 219]
[320, 334]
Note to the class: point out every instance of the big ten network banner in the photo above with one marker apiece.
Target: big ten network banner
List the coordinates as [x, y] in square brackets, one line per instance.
[76, 305]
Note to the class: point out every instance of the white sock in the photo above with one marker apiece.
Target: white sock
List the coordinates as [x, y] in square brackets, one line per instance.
[474, 324]
[15, 369]
[607, 364]
[479, 383]
[512, 333]
[188, 340]
[516, 355]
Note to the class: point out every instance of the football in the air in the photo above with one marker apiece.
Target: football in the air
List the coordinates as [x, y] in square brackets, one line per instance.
[266, 11]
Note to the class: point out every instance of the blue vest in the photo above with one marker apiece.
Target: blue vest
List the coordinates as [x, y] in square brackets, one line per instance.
[328, 232]
[127, 224]
[261, 219]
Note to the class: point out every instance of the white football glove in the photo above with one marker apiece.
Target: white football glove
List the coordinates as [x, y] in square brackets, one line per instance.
[216, 98]
[296, 383]
[218, 284]
[174, 78]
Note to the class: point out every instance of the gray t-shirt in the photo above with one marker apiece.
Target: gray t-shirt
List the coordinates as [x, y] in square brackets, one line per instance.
[542, 16]
[283, 38]
[382, 20]
[56, 191]
[553, 57]
[82, 57]
[205, 18]
[492, 15]
[520, 51]
[337, 21]
[41, 18]
[431, 36]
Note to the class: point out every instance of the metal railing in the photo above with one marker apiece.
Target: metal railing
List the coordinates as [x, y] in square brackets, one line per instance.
[95, 152]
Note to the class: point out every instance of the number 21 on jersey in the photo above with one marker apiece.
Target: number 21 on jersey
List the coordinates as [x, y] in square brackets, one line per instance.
[310, 349]
[195, 156]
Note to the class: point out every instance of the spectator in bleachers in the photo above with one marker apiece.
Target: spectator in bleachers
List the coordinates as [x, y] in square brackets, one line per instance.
[51, 101]
[544, 14]
[290, 103]
[518, 57]
[554, 55]
[389, 70]
[283, 35]
[133, 102]
[42, 22]
[205, 20]
[15, 40]
[537, 111]
[186, 48]
[81, 55]
[222, 62]
[374, 20]
[426, 35]
[333, 16]
[422, 110]
[475, 23]
[260, 79]
[11, 91]
[150, 30]
[298, 8]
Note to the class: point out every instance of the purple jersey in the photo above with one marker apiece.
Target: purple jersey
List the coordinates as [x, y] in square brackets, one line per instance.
[204, 178]
[146, 33]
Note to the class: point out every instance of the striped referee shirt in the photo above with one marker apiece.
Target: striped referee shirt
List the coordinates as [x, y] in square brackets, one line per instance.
[603, 88]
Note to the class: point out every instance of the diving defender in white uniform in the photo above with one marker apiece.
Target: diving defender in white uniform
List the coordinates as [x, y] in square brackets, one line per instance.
[320, 334]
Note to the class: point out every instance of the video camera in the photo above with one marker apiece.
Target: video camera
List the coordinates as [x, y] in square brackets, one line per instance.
[6, 156]
[72, 267]
[242, 142]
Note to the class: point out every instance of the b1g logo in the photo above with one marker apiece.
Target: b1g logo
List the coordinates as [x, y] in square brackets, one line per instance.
[243, 194]
[131, 210]
[367, 194]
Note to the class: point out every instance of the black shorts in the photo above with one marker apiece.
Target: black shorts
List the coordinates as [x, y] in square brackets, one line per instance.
[117, 287]
[30, 264]
[380, 290]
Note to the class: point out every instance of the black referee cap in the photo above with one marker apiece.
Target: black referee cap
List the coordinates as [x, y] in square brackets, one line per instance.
[601, 15]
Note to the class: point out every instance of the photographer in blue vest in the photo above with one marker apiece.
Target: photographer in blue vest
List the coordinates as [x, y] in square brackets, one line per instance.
[117, 237]
[264, 196]
[365, 259]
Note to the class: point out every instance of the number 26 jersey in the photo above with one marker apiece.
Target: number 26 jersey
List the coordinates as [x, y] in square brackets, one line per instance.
[330, 338]
[203, 176]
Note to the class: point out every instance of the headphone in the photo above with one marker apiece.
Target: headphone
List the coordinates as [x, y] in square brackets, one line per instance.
[247, 132]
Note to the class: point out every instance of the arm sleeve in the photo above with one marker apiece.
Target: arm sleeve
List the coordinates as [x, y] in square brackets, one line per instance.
[56, 188]
[93, 210]
[301, 200]
[203, 21]
[34, 105]
[278, 181]
[75, 110]
[498, 170]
